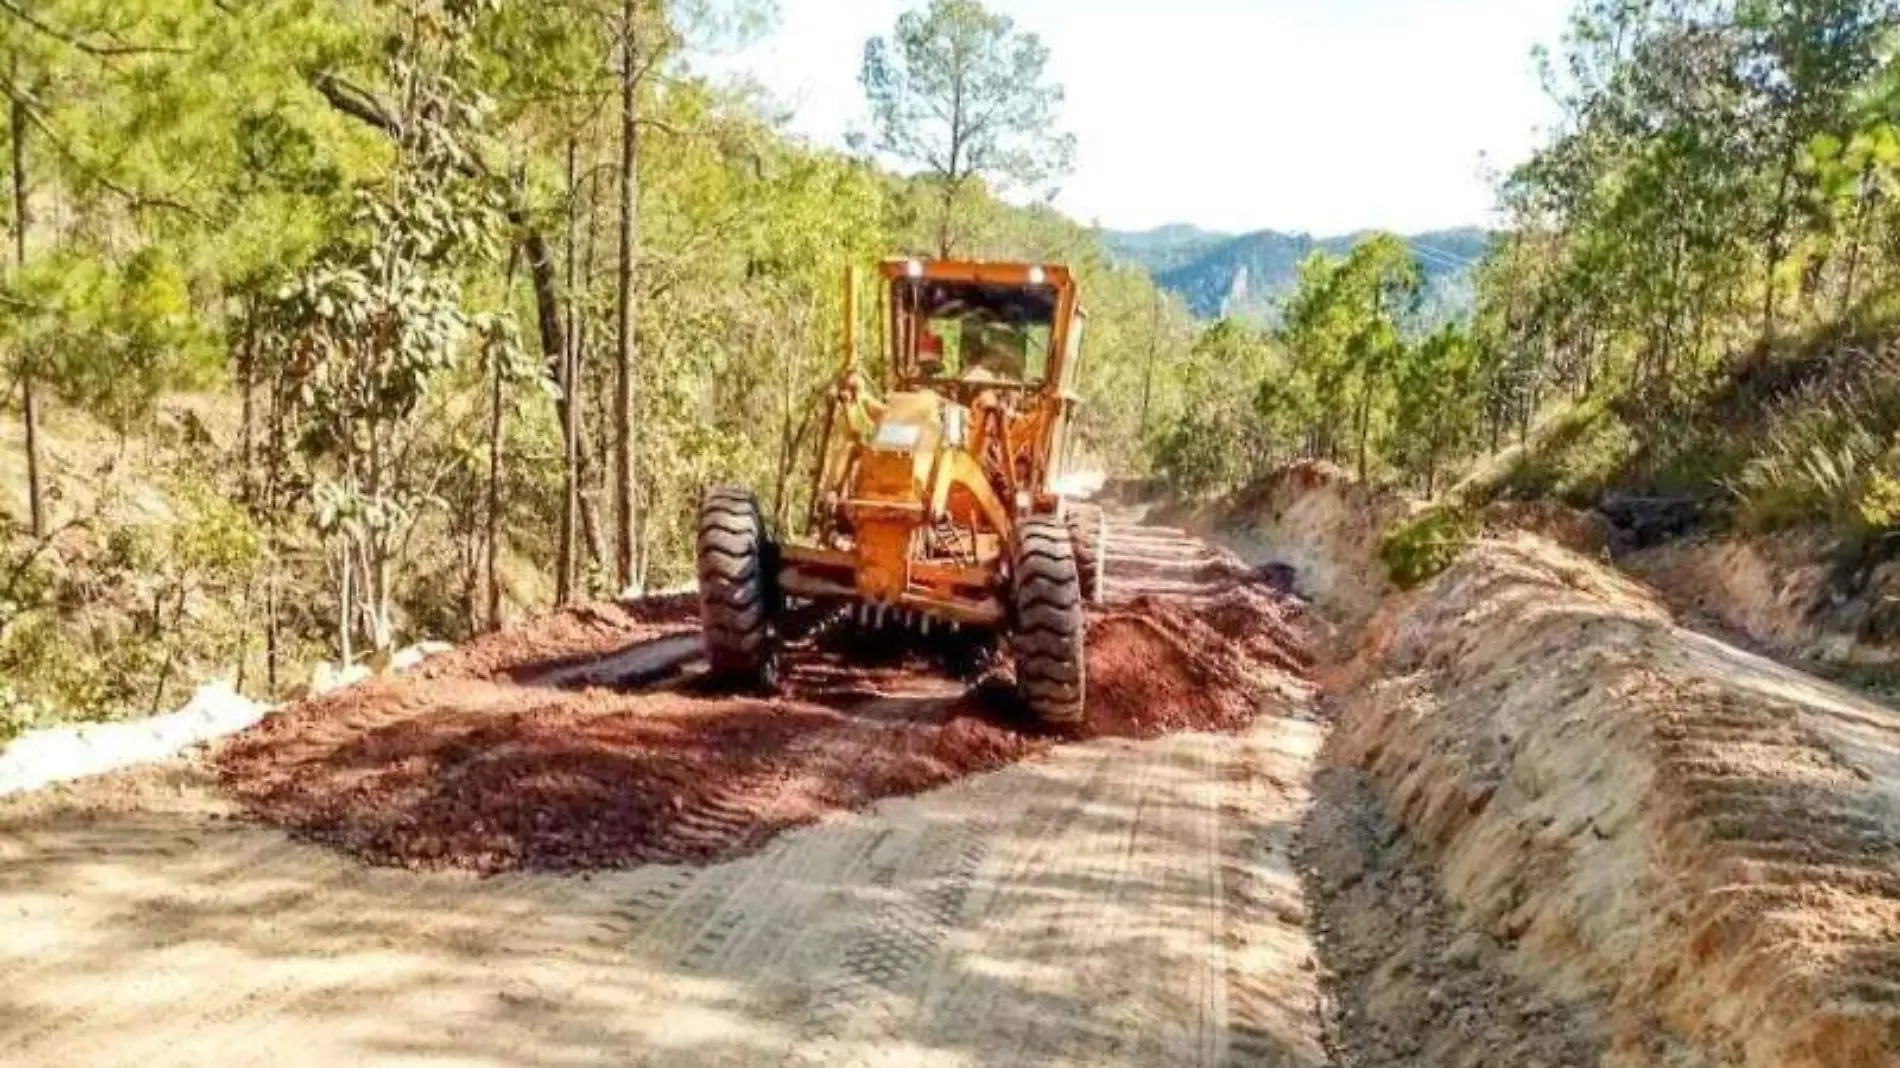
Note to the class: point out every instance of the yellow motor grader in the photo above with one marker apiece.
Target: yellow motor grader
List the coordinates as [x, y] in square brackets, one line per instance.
[935, 501]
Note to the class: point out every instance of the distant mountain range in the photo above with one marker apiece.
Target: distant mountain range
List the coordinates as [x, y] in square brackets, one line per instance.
[1252, 274]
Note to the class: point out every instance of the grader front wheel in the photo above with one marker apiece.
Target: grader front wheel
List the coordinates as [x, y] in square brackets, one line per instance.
[1049, 633]
[735, 602]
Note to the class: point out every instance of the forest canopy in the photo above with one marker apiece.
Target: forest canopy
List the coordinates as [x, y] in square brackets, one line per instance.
[327, 325]
[330, 326]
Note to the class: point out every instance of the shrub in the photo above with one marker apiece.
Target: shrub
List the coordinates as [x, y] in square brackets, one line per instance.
[1574, 454]
[1880, 502]
[1416, 550]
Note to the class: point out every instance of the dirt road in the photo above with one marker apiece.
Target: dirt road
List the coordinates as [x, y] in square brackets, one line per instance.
[1123, 900]
[1542, 825]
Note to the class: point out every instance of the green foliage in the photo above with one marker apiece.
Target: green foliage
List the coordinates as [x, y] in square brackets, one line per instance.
[1217, 440]
[1351, 374]
[1717, 192]
[1344, 347]
[322, 231]
[110, 335]
[1206, 269]
[1573, 453]
[1417, 550]
[122, 614]
[1826, 451]
[369, 327]
[1435, 415]
[1880, 498]
[959, 93]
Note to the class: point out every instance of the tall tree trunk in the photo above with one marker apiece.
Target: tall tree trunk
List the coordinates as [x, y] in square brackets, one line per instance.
[1855, 240]
[1365, 420]
[271, 641]
[1365, 384]
[470, 549]
[789, 430]
[570, 389]
[273, 481]
[247, 421]
[954, 174]
[1589, 362]
[497, 435]
[345, 605]
[491, 568]
[247, 479]
[242, 661]
[588, 450]
[1777, 227]
[946, 210]
[626, 443]
[1148, 370]
[29, 397]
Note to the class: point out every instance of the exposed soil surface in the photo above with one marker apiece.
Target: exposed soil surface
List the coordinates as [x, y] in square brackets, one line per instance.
[586, 741]
[1128, 899]
[1535, 823]
[1319, 522]
[573, 638]
[1787, 593]
[1413, 984]
[1702, 842]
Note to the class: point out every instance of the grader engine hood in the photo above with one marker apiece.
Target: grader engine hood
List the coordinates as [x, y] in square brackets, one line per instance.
[896, 462]
[888, 501]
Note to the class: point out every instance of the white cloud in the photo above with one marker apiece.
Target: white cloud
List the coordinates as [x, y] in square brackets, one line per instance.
[1239, 114]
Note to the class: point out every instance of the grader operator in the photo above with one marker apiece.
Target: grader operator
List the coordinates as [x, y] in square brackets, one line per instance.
[934, 502]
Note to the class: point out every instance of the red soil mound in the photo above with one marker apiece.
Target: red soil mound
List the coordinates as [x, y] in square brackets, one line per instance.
[1163, 665]
[570, 636]
[473, 765]
[494, 777]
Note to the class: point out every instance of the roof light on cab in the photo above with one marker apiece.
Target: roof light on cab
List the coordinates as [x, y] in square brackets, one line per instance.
[914, 269]
[1036, 276]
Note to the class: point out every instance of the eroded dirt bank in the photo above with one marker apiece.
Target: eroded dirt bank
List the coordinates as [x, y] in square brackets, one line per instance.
[1787, 593]
[1319, 522]
[1703, 843]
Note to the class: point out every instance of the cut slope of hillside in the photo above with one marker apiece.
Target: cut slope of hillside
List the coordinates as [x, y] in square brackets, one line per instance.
[1766, 503]
[1704, 838]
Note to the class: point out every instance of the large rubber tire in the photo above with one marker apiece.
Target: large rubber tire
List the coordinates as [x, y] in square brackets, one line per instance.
[735, 588]
[1049, 625]
[1089, 532]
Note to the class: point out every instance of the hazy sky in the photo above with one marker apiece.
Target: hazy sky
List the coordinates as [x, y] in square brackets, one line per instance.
[1317, 115]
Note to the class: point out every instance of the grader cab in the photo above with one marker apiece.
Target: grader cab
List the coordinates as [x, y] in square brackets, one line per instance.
[935, 500]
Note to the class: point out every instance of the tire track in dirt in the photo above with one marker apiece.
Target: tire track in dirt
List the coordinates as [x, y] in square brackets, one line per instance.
[1816, 830]
[856, 1004]
[1077, 907]
[1699, 845]
[854, 1013]
[208, 992]
[149, 845]
[1028, 908]
[1195, 1008]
